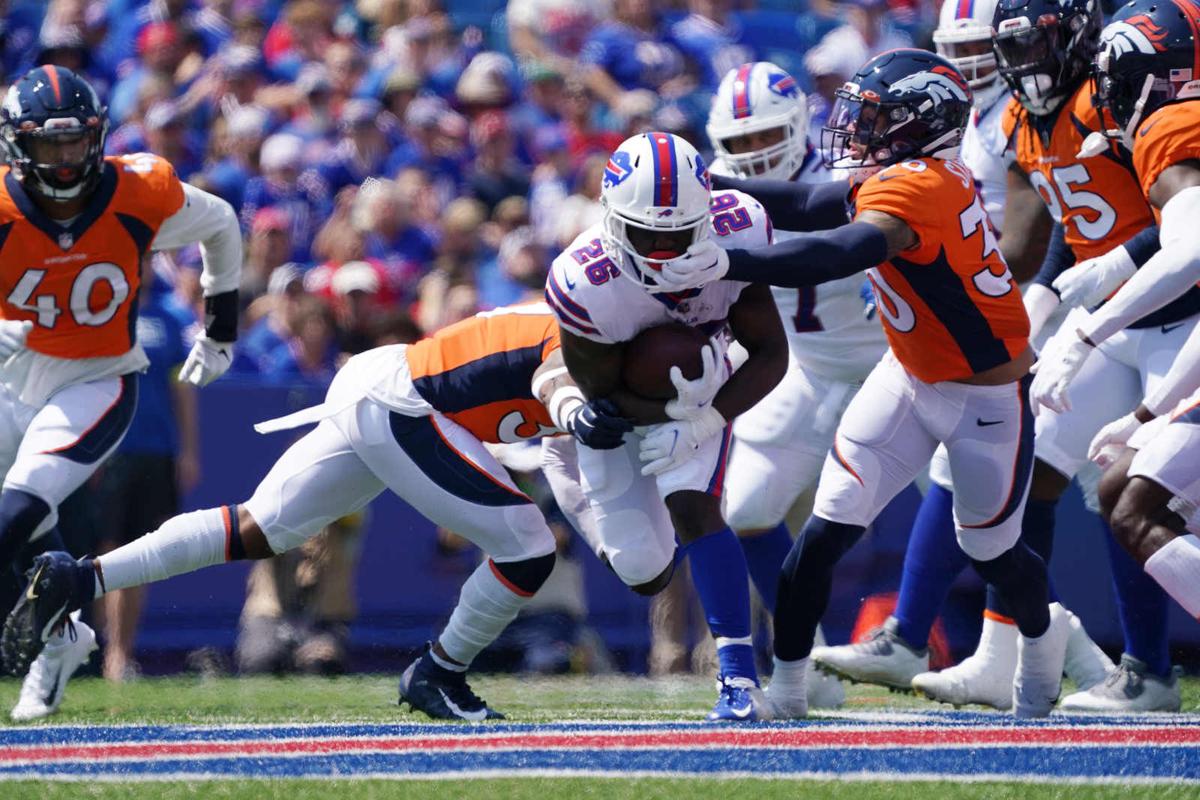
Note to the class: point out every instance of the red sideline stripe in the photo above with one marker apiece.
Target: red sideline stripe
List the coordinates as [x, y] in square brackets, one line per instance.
[1177, 736]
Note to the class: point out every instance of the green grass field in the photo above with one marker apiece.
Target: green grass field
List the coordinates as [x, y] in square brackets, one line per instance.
[372, 699]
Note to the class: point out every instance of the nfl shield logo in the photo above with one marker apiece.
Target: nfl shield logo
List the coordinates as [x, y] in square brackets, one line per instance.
[65, 240]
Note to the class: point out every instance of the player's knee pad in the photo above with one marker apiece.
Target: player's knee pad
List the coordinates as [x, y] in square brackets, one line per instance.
[21, 515]
[527, 575]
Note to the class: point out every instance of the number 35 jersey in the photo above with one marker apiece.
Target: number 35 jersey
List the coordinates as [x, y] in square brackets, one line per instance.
[592, 299]
[949, 305]
[78, 284]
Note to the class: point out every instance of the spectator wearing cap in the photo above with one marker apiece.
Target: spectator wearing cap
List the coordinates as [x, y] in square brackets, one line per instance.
[160, 52]
[828, 68]
[269, 247]
[399, 88]
[496, 173]
[234, 155]
[630, 60]
[448, 293]
[487, 83]
[866, 34]
[167, 136]
[712, 40]
[309, 355]
[281, 185]
[362, 150]
[540, 106]
[551, 182]
[552, 31]
[270, 319]
[358, 300]
[437, 146]
[240, 70]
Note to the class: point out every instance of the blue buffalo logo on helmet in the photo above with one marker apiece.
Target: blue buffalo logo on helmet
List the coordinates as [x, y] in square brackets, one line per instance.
[617, 169]
[783, 84]
[702, 173]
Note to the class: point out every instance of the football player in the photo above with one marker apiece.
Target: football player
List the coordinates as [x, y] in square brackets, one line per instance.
[957, 371]
[604, 287]
[413, 419]
[74, 227]
[1147, 69]
[758, 125]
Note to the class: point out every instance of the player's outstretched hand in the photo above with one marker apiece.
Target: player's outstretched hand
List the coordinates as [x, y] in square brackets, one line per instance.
[13, 333]
[691, 397]
[1090, 281]
[704, 262]
[1055, 369]
[598, 424]
[208, 361]
[1114, 437]
[672, 443]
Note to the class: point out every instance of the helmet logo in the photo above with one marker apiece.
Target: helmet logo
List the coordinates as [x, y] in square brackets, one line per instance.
[940, 84]
[1138, 34]
[782, 84]
[617, 169]
[702, 173]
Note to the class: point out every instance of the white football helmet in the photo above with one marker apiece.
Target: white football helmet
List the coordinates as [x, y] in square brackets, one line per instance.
[653, 182]
[758, 97]
[964, 22]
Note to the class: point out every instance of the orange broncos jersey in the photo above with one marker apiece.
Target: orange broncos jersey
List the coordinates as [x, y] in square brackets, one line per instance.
[1170, 135]
[1096, 199]
[79, 284]
[949, 305]
[479, 372]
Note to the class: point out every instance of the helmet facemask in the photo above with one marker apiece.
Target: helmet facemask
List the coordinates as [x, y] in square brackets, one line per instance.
[972, 54]
[781, 159]
[61, 160]
[1044, 62]
[639, 247]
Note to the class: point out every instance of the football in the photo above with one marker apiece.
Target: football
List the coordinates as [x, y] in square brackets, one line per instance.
[651, 354]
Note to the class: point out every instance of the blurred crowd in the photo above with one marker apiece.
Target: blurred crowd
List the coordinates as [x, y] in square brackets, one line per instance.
[398, 165]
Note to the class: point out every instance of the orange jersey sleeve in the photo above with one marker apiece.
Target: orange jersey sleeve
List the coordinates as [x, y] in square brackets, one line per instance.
[1170, 135]
[949, 305]
[479, 372]
[79, 283]
[1096, 199]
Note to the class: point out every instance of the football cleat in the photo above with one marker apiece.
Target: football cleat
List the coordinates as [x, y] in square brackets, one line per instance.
[824, 690]
[985, 678]
[45, 685]
[1038, 678]
[882, 658]
[57, 586]
[739, 700]
[1129, 688]
[442, 693]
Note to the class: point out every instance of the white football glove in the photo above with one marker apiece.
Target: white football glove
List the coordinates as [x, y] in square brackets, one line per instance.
[671, 443]
[1113, 438]
[207, 361]
[1040, 303]
[691, 397]
[1090, 281]
[704, 262]
[13, 333]
[1058, 365]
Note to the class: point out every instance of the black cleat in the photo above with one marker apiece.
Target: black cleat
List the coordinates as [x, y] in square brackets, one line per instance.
[57, 586]
[442, 693]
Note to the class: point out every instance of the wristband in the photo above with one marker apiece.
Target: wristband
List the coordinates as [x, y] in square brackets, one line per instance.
[221, 316]
[562, 402]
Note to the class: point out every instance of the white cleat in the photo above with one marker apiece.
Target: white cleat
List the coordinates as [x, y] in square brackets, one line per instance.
[883, 658]
[824, 690]
[985, 678]
[1087, 665]
[1038, 679]
[44, 686]
[1129, 689]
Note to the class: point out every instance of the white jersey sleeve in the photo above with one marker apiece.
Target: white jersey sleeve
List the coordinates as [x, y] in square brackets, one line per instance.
[209, 220]
[985, 152]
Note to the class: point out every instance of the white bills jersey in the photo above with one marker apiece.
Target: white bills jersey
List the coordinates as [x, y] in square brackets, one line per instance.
[827, 328]
[985, 153]
[592, 299]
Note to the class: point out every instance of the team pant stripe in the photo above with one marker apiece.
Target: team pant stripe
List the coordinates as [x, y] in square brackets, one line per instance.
[716, 485]
[107, 431]
[837, 456]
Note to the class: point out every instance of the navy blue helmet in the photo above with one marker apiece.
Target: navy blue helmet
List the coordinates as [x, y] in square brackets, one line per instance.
[1044, 48]
[902, 104]
[1149, 57]
[52, 129]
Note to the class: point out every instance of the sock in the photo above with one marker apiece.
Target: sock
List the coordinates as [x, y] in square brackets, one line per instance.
[764, 558]
[485, 607]
[931, 563]
[1019, 576]
[182, 544]
[998, 640]
[719, 575]
[789, 680]
[1176, 567]
[805, 583]
[1037, 531]
[449, 666]
[1143, 609]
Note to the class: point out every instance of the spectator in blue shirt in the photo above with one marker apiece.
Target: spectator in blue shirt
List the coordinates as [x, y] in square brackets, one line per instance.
[282, 186]
[140, 485]
[712, 40]
[361, 152]
[309, 355]
[630, 59]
